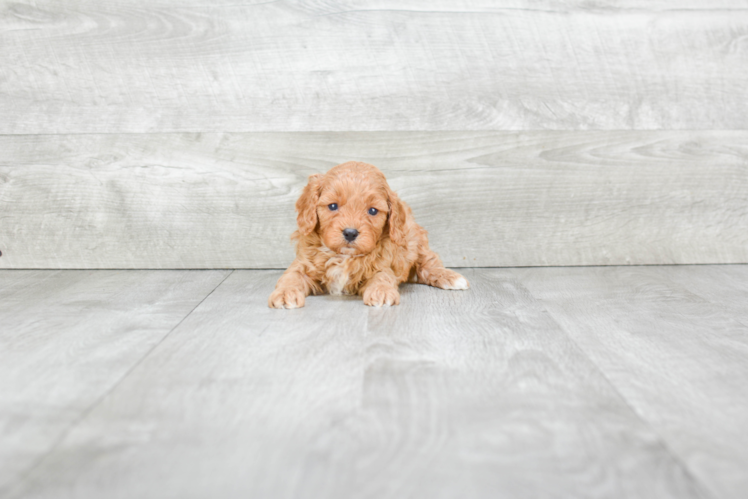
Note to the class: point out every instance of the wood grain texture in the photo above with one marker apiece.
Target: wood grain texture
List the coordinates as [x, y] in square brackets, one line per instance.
[67, 338]
[160, 66]
[487, 198]
[474, 394]
[724, 286]
[679, 360]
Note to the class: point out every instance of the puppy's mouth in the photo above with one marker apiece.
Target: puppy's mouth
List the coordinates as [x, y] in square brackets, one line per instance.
[349, 249]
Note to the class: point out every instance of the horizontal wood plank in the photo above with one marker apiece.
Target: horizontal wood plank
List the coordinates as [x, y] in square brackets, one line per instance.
[471, 394]
[161, 66]
[487, 198]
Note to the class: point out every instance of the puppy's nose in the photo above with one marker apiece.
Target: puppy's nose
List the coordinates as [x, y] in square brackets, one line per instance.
[350, 234]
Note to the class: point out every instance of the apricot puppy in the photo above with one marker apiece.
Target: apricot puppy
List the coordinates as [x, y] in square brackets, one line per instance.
[356, 236]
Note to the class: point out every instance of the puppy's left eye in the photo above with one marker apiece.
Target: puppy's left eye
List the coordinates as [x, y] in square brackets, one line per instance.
[373, 211]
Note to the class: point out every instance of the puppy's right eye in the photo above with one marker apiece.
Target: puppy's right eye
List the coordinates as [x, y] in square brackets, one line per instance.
[333, 206]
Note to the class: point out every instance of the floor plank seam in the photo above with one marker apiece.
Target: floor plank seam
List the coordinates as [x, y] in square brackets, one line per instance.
[17, 486]
[704, 492]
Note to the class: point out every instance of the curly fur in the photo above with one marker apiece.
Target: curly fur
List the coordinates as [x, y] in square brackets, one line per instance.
[390, 248]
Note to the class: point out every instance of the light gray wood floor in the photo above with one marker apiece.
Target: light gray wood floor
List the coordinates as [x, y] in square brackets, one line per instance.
[588, 381]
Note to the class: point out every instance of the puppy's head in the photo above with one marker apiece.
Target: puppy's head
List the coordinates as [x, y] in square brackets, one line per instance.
[351, 207]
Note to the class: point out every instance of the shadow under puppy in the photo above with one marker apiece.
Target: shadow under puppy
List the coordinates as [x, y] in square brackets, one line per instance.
[356, 236]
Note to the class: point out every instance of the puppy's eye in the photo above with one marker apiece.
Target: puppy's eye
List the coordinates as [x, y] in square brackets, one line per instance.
[373, 211]
[333, 206]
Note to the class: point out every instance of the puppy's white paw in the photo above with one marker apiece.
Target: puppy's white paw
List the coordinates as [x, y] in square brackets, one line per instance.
[446, 279]
[458, 284]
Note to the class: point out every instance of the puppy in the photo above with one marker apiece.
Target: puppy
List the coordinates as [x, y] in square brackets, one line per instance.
[356, 236]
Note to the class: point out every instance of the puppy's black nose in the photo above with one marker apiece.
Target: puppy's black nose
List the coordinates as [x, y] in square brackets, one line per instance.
[350, 234]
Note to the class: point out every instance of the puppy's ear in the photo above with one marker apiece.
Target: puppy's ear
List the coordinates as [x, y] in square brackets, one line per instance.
[306, 205]
[396, 218]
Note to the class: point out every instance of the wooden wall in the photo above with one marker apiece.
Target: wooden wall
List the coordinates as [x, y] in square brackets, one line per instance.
[165, 134]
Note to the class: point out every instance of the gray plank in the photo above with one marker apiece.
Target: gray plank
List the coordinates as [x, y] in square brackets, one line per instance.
[149, 66]
[724, 286]
[68, 337]
[679, 360]
[485, 389]
[450, 394]
[487, 198]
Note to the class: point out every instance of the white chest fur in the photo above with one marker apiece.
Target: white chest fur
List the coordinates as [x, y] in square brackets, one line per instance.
[337, 274]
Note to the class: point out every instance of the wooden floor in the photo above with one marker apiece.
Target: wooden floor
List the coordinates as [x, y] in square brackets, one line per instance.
[586, 381]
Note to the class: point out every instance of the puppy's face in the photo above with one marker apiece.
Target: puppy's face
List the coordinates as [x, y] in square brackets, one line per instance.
[352, 215]
[350, 208]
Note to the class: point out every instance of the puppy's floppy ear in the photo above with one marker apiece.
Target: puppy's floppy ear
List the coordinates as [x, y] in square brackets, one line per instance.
[306, 205]
[396, 218]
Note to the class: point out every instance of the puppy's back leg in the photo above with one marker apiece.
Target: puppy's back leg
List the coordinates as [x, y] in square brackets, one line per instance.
[431, 271]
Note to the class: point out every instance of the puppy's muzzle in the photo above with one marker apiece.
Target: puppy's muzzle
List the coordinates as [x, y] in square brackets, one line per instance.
[350, 234]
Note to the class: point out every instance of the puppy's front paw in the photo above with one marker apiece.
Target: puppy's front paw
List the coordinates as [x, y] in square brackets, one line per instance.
[379, 295]
[446, 279]
[286, 298]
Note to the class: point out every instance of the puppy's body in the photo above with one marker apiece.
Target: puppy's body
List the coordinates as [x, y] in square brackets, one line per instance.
[357, 237]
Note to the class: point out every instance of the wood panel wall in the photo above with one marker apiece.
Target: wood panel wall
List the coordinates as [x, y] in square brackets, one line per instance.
[165, 134]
